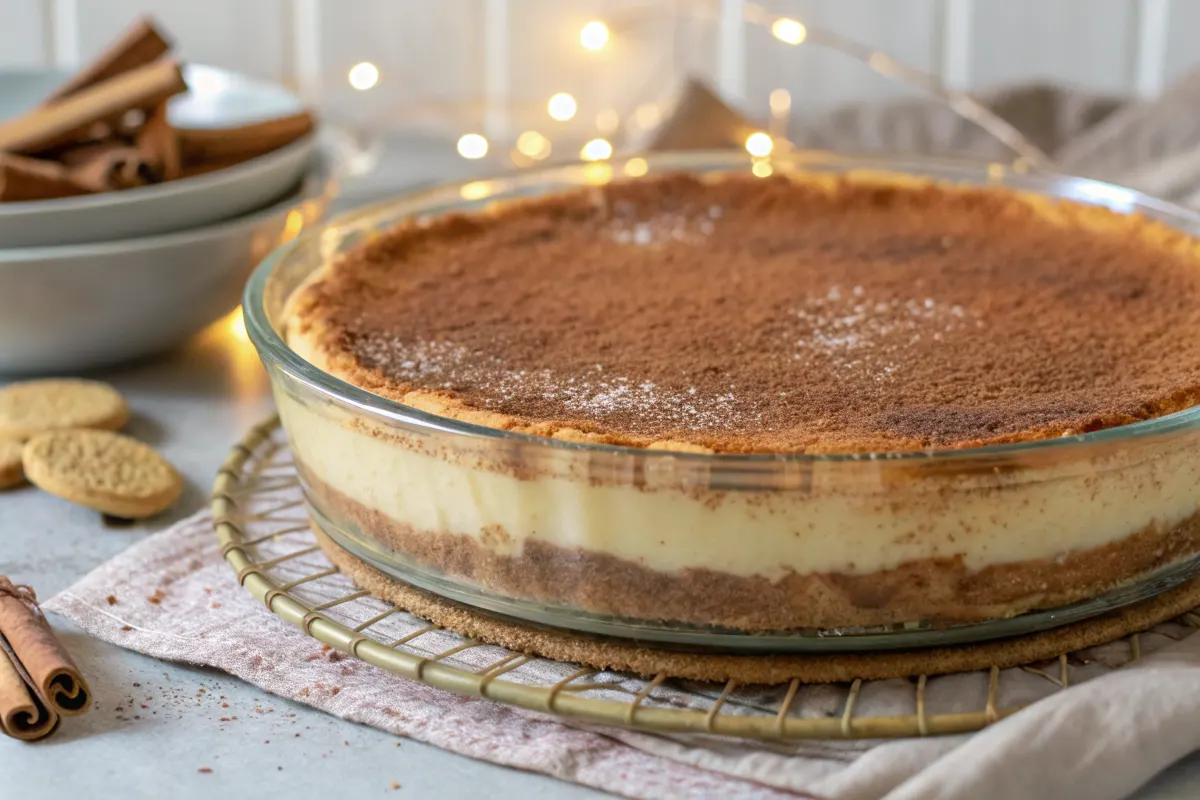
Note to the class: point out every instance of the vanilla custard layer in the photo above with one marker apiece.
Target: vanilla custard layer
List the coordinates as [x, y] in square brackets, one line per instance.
[849, 518]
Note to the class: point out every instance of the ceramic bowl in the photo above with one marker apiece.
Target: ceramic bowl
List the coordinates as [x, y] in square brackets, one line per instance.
[78, 307]
[216, 99]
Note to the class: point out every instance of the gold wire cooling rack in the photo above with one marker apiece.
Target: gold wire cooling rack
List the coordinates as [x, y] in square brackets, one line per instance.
[263, 527]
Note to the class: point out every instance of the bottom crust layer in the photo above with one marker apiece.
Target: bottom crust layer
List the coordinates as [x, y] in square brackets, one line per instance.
[647, 661]
[937, 590]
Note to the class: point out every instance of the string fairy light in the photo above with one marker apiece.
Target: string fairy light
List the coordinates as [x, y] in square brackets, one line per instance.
[596, 150]
[597, 172]
[561, 107]
[780, 101]
[476, 190]
[759, 144]
[532, 145]
[636, 167]
[789, 30]
[363, 75]
[594, 35]
[472, 145]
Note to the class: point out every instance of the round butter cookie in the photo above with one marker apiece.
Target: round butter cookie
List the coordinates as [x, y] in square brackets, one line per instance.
[30, 407]
[103, 470]
[11, 473]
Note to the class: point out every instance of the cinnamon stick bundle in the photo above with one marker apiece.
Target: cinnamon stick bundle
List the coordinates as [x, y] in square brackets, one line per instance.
[23, 179]
[158, 143]
[23, 715]
[242, 143]
[70, 119]
[109, 166]
[107, 129]
[38, 671]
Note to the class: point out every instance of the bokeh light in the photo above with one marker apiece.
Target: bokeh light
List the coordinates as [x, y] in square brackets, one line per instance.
[596, 150]
[759, 144]
[561, 107]
[594, 35]
[364, 75]
[472, 145]
[789, 30]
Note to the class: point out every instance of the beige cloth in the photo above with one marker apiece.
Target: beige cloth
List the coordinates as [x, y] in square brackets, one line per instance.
[1153, 146]
[177, 599]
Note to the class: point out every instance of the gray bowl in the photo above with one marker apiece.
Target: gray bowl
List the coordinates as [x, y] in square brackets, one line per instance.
[78, 307]
[216, 98]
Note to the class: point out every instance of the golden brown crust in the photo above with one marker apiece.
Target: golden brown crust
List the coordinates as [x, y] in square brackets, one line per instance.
[818, 315]
[603, 653]
[940, 590]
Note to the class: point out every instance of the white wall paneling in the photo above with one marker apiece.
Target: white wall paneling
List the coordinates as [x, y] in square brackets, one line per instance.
[24, 34]
[1182, 53]
[957, 30]
[819, 78]
[637, 64]
[303, 61]
[483, 58]
[247, 35]
[497, 41]
[425, 51]
[62, 33]
[1084, 43]
[731, 52]
[696, 37]
[1150, 46]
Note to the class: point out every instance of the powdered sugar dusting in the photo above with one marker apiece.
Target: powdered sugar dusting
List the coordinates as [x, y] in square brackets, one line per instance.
[662, 228]
[594, 394]
[854, 331]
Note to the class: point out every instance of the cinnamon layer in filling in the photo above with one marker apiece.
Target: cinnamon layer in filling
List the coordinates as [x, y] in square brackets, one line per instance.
[939, 590]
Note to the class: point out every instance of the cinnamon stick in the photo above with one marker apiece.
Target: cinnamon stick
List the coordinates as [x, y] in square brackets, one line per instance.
[23, 714]
[50, 668]
[23, 179]
[110, 166]
[140, 44]
[69, 119]
[158, 143]
[234, 145]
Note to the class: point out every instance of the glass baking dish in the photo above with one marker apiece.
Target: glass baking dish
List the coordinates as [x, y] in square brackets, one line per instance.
[745, 552]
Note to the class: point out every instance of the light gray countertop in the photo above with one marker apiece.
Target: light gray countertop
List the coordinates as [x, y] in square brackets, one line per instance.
[192, 405]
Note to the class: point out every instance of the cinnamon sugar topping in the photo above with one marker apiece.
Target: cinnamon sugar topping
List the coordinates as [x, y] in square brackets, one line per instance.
[778, 315]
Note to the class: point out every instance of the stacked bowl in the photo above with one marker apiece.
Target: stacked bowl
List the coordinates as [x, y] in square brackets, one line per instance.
[93, 279]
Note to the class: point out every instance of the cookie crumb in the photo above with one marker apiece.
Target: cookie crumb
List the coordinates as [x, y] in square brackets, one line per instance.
[205, 770]
[111, 599]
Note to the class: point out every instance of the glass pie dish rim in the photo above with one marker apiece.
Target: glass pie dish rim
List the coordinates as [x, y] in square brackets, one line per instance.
[447, 197]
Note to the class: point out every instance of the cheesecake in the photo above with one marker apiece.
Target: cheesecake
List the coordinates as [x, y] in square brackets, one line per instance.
[801, 401]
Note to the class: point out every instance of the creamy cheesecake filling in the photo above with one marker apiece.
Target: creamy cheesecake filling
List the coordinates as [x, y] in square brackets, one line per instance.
[837, 526]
